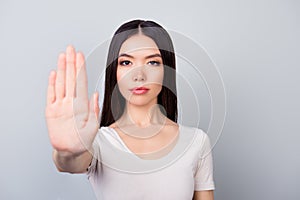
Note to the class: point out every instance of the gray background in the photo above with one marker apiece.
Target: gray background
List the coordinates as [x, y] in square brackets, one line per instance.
[254, 43]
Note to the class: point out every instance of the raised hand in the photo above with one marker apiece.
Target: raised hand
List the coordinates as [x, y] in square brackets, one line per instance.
[72, 119]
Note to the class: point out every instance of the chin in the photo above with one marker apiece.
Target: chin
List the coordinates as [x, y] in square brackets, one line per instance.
[139, 101]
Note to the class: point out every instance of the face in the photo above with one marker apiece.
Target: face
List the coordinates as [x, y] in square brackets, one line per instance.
[140, 70]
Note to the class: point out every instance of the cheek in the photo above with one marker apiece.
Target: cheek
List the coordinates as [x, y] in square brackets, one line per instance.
[121, 77]
[122, 81]
[156, 76]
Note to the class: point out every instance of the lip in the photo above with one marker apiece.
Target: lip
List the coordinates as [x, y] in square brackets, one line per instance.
[139, 90]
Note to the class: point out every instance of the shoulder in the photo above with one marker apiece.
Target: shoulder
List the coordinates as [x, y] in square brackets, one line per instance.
[113, 125]
[106, 132]
[197, 132]
[200, 139]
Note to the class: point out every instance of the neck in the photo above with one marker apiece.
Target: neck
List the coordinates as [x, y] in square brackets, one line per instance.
[142, 116]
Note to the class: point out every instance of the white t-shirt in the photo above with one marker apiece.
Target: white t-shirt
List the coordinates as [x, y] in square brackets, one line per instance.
[116, 173]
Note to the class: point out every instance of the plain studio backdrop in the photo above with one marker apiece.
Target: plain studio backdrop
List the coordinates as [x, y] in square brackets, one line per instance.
[254, 44]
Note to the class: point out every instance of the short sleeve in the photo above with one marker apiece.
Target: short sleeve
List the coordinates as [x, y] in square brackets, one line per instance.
[204, 173]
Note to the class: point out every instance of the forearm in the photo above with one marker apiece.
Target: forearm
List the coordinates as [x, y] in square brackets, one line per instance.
[66, 162]
[204, 195]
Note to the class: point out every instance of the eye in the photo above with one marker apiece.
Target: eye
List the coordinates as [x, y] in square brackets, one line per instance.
[125, 63]
[153, 62]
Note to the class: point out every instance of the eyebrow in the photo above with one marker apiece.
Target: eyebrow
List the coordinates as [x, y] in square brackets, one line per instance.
[130, 56]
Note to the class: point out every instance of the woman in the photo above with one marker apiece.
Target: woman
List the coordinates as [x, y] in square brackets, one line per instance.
[139, 116]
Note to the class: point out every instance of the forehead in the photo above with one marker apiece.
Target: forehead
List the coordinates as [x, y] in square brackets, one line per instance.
[139, 43]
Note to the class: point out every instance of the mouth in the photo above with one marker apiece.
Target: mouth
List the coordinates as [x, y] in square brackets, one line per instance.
[139, 90]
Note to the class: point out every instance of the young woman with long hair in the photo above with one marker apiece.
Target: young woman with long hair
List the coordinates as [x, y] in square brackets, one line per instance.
[138, 116]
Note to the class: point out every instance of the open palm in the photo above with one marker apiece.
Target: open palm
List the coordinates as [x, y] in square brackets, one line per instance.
[72, 119]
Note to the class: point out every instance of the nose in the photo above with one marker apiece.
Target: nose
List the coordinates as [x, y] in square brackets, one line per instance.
[139, 75]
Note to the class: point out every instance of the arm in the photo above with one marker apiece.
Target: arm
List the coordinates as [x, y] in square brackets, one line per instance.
[204, 195]
[72, 163]
[204, 183]
[72, 119]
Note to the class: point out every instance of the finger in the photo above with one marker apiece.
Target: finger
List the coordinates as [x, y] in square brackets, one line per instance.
[70, 72]
[81, 81]
[60, 76]
[96, 105]
[51, 88]
[94, 108]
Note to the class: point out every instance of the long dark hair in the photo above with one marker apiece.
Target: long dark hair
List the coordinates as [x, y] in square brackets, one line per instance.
[114, 102]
